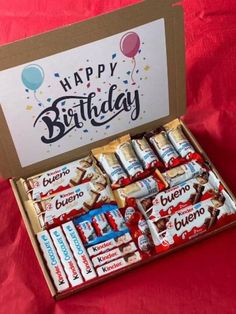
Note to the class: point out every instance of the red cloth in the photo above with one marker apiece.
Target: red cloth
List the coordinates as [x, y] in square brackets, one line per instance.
[200, 279]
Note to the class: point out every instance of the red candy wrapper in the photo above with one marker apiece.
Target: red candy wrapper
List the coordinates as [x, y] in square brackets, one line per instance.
[190, 222]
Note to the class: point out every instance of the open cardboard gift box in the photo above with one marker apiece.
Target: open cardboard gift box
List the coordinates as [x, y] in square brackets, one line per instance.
[82, 86]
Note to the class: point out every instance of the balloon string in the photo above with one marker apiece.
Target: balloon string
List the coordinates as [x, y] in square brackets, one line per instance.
[132, 74]
[36, 98]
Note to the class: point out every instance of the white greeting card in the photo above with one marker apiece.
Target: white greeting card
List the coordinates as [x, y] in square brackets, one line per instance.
[79, 96]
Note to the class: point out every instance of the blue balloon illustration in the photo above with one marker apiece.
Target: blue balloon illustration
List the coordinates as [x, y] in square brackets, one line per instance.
[32, 76]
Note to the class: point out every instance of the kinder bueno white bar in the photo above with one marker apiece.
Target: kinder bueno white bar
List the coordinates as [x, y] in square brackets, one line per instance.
[190, 222]
[119, 263]
[62, 178]
[53, 262]
[79, 251]
[182, 173]
[114, 254]
[66, 257]
[190, 192]
[73, 202]
[139, 189]
[109, 244]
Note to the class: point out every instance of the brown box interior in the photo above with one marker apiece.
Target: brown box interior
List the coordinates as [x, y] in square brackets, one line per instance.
[77, 35]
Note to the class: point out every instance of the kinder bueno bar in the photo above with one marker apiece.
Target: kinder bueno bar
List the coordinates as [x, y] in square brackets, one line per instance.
[79, 251]
[139, 189]
[165, 149]
[128, 158]
[73, 202]
[116, 220]
[119, 263]
[109, 244]
[190, 192]
[53, 262]
[62, 178]
[146, 154]
[114, 254]
[182, 173]
[66, 257]
[189, 222]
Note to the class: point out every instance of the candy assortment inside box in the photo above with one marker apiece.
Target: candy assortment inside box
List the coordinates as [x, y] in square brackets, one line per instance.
[106, 175]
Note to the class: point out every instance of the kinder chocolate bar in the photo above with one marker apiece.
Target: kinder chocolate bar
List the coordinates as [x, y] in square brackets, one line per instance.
[129, 160]
[178, 139]
[139, 189]
[109, 244]
[62, 178]
[146, 154]
[106, 156]
[66, 257]
[119, 263]
[101, 224]
[53, 262]
[104, 230]
[73, 202]
[182, 173]
[79, 251]
[165, 149]
[190, 192]
[189, 222]
[114, 254]
[86, 231]
[116, 220]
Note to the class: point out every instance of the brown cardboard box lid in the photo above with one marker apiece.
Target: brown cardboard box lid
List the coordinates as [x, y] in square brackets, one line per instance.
[77, 87]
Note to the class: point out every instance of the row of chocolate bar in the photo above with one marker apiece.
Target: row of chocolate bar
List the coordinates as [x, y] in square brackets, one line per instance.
[95, 245]
[166, 195]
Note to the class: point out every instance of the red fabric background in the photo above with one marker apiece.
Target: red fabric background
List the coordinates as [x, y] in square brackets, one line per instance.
[200, 279]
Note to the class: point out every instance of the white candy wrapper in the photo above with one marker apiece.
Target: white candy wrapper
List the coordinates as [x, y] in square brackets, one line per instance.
[114, 254]
[79, 251]
[119, 263]
[182, 173]
[53, 262]
[164, 148]
[66, 257]
[109, 244]
[62, 178]
[112, 167]
[145, 153]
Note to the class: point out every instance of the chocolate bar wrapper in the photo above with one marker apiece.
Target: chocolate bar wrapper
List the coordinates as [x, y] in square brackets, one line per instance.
[54, 265]
[190, 192]
[111, 255]
[127, 156]
[90, 221]
[190, 222]
[165, 149]
[107, 158]
[116, 220]
[62, 178]
[79, 251]
[178, 139]
[73, 202]
[119, 263]
[145, 153]
[139, 189]
[182, 173]
[66, 256]
[109, 244]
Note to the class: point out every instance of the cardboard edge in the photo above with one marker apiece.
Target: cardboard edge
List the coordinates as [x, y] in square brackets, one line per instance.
[32, 237]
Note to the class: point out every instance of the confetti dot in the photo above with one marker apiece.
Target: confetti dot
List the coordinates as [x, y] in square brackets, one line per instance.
[99, 90]
[26, 90]
[114, 56]
[29, 108]
[147, 68]
[128, 73]
[125, 82]
[146, 78]
[56, 74]
[49, 99]
[49, 86]
[85, 131]
[91, 139]
[88, 85]
[63, 103]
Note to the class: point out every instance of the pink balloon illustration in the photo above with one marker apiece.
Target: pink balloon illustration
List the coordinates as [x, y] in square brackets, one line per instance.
[129, 46]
